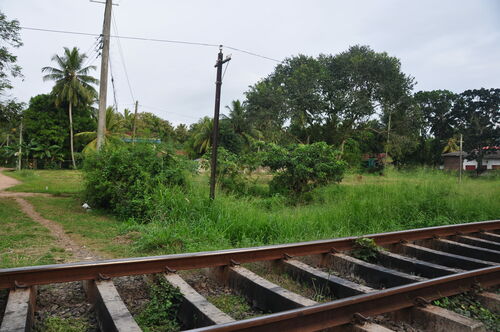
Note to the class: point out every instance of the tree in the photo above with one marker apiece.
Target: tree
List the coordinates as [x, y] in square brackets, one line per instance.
[358, 84]
[439, 123]
[181, 133]
[330, 98]
[10, 109]
[201, 135]
[477, 114]
[238, 119]
[74, 85]
[9, 37]
[111, 135]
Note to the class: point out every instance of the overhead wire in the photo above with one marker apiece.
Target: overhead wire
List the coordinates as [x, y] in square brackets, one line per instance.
[162, 110]
[172, 41]
[113, 84]
[120, 49]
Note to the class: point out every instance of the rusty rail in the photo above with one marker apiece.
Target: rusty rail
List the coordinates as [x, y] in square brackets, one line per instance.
[345, 310]
[47, 274]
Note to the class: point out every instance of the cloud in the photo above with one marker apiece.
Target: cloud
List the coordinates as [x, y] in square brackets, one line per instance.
[445, 45]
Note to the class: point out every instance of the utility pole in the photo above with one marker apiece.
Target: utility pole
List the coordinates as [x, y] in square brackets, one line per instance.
[218, 85]
[134, 128]
[461, 162]
[388, 137]
[19, 153]
[103, 87]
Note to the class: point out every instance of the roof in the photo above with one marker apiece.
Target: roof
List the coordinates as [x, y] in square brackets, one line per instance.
[494, 155]
[454, 154]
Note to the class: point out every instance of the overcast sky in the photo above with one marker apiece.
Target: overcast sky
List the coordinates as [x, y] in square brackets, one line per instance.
[451, 44]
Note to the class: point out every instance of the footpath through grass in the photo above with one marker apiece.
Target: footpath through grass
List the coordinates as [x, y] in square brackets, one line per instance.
[97, 230]
[24, 242]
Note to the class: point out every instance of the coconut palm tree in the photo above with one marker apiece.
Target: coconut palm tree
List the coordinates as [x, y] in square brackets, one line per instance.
[73, 84]
[240, 123]
[202, 135]
[113, 125]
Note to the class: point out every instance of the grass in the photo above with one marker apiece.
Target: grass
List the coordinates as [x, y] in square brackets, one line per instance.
[24, 242]
[57, 324]
[53, 182]
[372, 204]
[188, 221]
[95, 229]
[234, 305]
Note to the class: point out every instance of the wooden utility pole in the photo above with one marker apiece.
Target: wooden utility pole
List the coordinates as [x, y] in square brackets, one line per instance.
[461, 162]
[19, 153]
[215, 137]
[388, 138]
[134, 128]
[103, 87]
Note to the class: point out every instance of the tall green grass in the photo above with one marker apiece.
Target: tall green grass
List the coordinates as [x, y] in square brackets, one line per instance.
[186, 220]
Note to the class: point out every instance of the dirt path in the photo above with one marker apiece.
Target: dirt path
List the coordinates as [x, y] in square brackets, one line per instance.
[79, 253]
[6, 181]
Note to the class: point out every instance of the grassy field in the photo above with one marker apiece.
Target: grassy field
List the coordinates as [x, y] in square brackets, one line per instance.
[24, 242]
[190, 222]
[47, 181]
[94, 229]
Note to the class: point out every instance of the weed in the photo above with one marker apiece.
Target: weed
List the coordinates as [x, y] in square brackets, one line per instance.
[234, 305]
[57, 324]
[366, 249]
[466, 305]
[161, 311]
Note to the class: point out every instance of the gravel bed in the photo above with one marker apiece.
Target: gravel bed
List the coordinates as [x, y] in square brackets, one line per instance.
[64, 301]
[386, 321]
[134, 291]
[4, 293]
[210, 288]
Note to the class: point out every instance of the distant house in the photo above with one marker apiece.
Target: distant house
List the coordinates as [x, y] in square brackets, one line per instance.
[490, 161]
[451, 160]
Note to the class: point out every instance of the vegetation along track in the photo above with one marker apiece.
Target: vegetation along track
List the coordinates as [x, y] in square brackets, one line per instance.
[400, 274]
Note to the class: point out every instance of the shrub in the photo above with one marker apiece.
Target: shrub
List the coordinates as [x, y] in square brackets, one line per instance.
[230, 175]
[300, 168]
[124, 179]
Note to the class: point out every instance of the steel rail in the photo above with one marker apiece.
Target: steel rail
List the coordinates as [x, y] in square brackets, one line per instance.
[47, 274]
[344, 311]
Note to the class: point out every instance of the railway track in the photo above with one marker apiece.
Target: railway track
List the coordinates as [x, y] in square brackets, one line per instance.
[414, 268]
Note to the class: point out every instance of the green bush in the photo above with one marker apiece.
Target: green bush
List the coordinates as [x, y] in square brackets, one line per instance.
[230, 171]
[300, 168]
[124, 179]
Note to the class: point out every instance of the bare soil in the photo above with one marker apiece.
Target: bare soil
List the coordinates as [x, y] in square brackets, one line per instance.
[6, 181]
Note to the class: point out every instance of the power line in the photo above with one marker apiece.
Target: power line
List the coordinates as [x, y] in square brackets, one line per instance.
[161, 110]
[123, 58]
[154, 40]
[113, 84]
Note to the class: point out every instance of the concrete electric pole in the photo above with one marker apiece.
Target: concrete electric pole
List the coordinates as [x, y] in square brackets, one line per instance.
[215, 137]
[134, 127]
[103, 88]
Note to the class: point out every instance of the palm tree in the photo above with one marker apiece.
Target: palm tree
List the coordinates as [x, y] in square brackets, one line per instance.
[202, 135]
[73, 84]
[240, 123]
[113, 124]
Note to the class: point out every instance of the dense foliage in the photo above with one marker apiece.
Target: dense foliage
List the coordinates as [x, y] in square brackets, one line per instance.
[300, 168]
[124, 179]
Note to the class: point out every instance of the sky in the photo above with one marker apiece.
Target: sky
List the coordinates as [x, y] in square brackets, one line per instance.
[446, 44]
